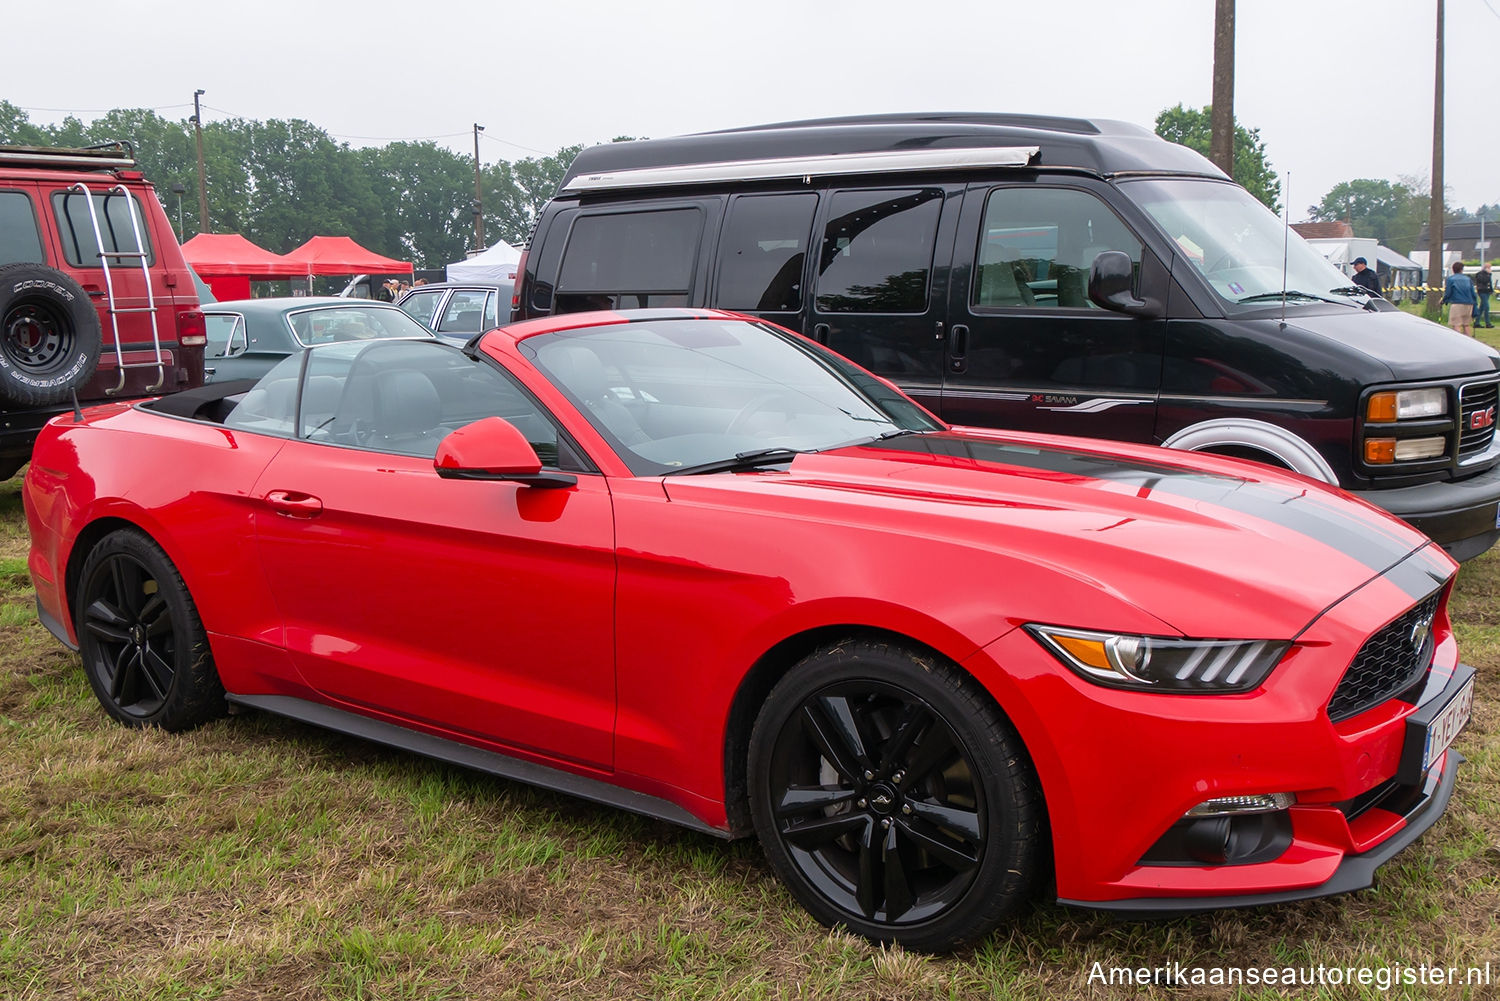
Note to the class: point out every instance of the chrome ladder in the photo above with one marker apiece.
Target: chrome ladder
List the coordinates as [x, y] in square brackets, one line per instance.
[138, 255]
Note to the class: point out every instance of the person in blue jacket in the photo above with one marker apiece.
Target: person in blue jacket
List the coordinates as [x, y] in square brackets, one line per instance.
[1458, 296]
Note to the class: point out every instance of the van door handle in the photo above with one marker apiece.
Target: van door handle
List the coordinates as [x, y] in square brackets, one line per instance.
[820, 333]
[958, 347]
[294, 504]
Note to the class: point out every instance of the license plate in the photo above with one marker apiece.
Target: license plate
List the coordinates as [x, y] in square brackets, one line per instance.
[1447, 725]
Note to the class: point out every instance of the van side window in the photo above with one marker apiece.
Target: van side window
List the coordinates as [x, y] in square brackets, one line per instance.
[76, 229]
[627, 260]
[877, 251]
[20, 240]
[763, 251]
[1037, 245]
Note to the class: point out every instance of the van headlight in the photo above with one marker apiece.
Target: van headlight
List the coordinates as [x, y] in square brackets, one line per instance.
[1162, 664]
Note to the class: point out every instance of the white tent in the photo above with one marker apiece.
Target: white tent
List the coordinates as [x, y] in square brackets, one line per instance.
[495, 266]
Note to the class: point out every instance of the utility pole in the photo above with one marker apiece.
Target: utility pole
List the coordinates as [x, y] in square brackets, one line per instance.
[1435, 218]
[478, 195]
[202, 184]
[1221, 117]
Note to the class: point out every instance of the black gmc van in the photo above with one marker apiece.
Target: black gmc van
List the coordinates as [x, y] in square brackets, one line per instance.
[1048, 274]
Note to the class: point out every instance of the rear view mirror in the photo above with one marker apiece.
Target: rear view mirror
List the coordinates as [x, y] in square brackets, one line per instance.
[1112, 285]
[492, 449]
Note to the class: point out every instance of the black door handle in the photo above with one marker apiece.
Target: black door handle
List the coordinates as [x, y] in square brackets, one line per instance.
[958, 347]
[820, 333]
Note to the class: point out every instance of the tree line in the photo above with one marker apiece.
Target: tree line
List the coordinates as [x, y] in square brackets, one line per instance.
[279, 182]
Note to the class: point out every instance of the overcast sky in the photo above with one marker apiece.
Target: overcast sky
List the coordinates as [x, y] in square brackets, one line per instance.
[1338, 89]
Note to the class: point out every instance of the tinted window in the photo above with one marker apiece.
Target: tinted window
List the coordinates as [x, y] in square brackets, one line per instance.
[352, 323]
[624, 260]
[114, 211]
[464, 312]
[405, 397]
[226, 334]
[763, 252]
[877, 251]
[20, 240]
[421, 305]
[1037, 245]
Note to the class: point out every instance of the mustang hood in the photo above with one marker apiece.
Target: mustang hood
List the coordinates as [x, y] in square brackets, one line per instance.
[1213, 548]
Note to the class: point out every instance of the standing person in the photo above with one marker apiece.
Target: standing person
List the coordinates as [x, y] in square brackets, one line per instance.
[1458, 296]
[1484, 285]
[1365, 276]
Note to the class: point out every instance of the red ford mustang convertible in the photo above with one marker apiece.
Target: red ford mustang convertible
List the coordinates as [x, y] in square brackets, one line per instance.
[696, 566]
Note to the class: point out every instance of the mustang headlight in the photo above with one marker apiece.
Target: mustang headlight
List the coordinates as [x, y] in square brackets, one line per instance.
[1162, 664]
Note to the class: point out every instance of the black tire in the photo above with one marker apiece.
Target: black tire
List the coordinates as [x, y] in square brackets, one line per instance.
[893, 798]
[49, 335]
[143, 646]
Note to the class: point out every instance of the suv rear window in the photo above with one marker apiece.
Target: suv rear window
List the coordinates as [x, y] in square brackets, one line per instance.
[877, 251]
[763, 251]
[630, 259]
[76, 230]
[20, 240]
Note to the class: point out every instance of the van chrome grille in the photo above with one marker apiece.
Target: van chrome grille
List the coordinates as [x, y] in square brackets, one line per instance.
[1389, 663]
[1477, 398]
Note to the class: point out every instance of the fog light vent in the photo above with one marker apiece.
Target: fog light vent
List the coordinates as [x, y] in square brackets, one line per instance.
[1225, 806]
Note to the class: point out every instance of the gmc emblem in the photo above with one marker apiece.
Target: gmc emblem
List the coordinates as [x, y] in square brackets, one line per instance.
[1482, 419]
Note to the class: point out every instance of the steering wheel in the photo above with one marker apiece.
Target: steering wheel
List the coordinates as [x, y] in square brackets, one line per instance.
[755, 406]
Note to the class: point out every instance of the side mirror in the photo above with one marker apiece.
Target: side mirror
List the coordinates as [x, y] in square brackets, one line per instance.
[1110, 286]
[492, 449]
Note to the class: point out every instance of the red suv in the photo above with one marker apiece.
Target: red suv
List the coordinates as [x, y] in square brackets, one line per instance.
[96, 300]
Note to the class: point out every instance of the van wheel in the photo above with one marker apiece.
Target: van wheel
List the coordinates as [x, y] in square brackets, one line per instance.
[893, 798]
[49, 335]
[143, 646]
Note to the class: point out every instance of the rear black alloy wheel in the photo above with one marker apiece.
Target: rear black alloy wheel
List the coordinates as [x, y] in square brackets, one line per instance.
[143, 646]
[893, 798]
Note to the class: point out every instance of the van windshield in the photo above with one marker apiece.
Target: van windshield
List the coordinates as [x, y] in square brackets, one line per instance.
[1237, 244]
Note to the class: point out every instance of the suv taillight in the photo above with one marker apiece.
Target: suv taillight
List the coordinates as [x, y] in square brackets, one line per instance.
[192, 332]
[515, 290]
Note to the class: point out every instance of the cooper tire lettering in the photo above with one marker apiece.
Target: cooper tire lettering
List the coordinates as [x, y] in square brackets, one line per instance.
[50, 335]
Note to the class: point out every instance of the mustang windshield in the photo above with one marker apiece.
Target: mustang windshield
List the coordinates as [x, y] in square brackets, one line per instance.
[1237, 243]
[671, 394]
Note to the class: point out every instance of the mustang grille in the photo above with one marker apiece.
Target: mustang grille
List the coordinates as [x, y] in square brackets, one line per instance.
[1389, 663]
[1478, 398]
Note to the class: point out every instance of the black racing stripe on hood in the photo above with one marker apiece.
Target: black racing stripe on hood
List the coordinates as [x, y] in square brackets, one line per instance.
[1342, 527]
[1420, 574]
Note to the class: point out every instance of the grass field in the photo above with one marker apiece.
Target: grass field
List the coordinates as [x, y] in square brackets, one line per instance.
[259, 858]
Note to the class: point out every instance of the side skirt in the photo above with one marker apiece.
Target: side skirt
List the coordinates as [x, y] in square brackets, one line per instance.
[477, 758]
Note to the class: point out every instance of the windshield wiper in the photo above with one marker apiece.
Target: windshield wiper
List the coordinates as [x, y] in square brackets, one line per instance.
[753, 459]
[1288, 294]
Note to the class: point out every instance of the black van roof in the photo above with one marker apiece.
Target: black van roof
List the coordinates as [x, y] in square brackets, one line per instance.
[1098, 146]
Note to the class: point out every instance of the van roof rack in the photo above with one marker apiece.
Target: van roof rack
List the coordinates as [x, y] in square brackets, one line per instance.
[111, 155]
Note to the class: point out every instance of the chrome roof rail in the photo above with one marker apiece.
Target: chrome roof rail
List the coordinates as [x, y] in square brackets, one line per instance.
[807, 167]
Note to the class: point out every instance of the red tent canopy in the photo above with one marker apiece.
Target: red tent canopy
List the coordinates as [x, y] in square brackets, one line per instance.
[218, 255]
[339, 255]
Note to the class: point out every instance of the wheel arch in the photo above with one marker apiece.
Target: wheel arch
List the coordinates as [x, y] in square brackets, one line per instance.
[1231, 433]
[756, 684]
[89, 537]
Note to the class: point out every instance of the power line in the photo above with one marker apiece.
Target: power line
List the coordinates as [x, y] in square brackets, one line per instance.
[101, 111]
[507, 142]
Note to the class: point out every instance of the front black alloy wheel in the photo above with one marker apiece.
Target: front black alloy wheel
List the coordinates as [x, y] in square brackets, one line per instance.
[893, 797]
[143, 646]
